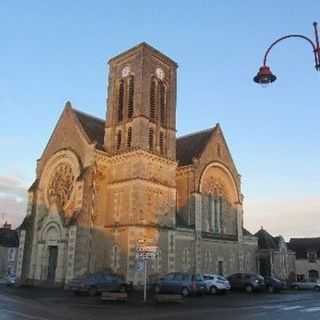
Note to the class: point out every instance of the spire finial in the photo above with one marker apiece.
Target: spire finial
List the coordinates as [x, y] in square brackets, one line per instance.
[68, 104]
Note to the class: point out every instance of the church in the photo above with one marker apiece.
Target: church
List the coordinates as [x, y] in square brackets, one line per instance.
[103, 185]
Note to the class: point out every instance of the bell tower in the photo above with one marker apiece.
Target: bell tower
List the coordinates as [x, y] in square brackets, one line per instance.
[141, 105]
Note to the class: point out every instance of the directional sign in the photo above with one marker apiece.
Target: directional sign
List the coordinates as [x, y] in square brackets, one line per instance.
[145, 255]
[150, 248]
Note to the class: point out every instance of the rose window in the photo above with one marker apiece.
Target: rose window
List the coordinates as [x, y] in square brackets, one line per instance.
[61, 185]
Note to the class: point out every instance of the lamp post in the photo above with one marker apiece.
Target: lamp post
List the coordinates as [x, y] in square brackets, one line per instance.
[265, 76]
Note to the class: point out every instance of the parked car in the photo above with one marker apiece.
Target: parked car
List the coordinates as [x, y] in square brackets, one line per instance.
[181, 283]
[216, 283]
[248, 282]
[95, 283]
[273, 284]
[306, 285]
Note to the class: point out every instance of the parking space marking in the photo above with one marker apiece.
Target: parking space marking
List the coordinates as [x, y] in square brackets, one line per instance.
[312, 309]
[292, 308]
[273, 306]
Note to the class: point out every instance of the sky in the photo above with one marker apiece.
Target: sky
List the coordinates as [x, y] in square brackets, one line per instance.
[54, 51]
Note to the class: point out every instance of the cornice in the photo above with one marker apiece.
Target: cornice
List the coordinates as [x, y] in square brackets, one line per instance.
[149, 181]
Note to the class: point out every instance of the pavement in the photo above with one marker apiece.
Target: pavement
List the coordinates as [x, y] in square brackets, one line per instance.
[48, 304]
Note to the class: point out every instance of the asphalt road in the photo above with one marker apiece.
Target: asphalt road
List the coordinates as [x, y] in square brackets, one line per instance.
[49, 304]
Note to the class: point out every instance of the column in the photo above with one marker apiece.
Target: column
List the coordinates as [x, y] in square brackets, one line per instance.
[71, 253]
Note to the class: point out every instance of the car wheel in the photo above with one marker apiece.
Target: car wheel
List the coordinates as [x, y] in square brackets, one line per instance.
[157, 289]
[213, 290]
[92, 291]
[317, 288]
[185, 292]
[295, 287]
[270, 289]
[248, 288]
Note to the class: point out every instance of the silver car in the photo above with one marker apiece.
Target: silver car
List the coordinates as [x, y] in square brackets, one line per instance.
[306, 285]
[216, 283]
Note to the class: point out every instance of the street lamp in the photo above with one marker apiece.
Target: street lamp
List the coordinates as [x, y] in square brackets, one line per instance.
[265, 76]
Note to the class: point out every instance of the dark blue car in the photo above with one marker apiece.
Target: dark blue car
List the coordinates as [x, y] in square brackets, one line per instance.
[95, 283]
[273, 284]
[181, 283]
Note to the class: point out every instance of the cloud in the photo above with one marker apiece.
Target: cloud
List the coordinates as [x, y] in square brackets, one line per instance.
[288, 217]
[13, 200]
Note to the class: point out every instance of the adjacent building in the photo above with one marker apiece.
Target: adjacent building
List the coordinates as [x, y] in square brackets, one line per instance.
[9, 243]
[274, 257]
[103, 185]
[307, 257]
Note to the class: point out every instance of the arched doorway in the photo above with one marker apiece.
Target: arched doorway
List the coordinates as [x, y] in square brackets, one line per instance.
[52, 241]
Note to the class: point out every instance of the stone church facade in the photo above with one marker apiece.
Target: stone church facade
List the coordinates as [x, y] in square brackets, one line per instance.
[103, 185]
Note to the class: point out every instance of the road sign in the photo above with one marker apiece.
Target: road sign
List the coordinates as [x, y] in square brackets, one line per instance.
[146, 255]
[150, 249]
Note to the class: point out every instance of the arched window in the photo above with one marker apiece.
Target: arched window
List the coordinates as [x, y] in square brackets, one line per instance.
[162, 102]
[118, 139]
[151, 134]
[115, 257]
[186, 258]
[130, 96]
[161, 143]
[129, 137]
[216, 212]
[153, 99]
[120, 100]
[220, 218]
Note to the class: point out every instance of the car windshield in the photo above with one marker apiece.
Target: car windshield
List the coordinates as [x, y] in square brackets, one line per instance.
[221, 278]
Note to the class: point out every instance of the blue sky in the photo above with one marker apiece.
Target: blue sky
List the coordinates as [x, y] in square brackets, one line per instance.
[54, 52]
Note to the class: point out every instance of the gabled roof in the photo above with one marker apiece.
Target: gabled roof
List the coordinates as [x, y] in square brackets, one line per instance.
[266, 240]
[9, 238]
[188, 147]
[191, 146]
[93, 126]
[301, 246]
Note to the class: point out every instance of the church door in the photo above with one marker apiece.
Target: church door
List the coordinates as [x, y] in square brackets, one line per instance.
[53, 257]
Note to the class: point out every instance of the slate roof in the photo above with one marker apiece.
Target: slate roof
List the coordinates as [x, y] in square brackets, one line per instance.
[191, 146]
[94, 127]
[301, 246]
[9, 238]
[188, 147]
[266, 240]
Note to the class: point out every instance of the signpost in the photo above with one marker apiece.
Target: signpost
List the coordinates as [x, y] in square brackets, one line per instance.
[145, 253]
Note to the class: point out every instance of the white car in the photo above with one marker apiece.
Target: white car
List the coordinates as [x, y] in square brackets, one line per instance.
[306, 285]
[216, 283]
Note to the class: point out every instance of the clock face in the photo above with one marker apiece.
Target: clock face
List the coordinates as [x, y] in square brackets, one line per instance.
[125, 71]
[160, 73]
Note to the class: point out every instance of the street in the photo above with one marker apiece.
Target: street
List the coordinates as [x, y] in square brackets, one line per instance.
[47, 304]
